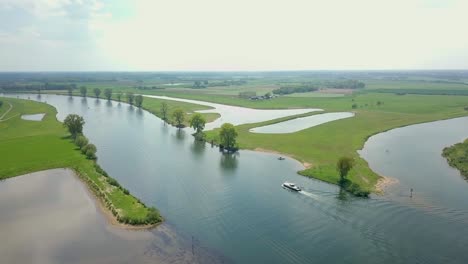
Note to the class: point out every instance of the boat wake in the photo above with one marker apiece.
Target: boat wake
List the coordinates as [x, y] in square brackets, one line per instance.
[311, 195]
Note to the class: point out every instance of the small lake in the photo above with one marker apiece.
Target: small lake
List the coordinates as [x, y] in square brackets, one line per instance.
[35, 117]
[234, 204]
[237, 115]
[301, 123]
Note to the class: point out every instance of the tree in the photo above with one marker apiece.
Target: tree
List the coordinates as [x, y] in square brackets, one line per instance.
[179, 117]
[198, 122]
[74, 123]
[90, 151]
[228, 136]
[119, 96]
[83, 91]
[343, 166]
[97, 92]
[354, 106]
[138, 100]
[108, 93]
[70, 91]
[81, 141]
[164, 109]
[130, 98]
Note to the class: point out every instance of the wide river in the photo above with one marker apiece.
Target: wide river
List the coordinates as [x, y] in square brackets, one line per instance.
[236, 206]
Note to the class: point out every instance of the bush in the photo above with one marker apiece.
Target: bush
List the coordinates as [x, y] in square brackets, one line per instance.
[81, 141]
[1, 103]
[113, 182]
[90, 151]
[100, 170]
[125, 191]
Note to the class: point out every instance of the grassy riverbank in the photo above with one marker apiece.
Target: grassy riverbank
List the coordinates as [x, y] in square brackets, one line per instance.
[29, 146]
[457, 157]
[320, 147]
[153, 105]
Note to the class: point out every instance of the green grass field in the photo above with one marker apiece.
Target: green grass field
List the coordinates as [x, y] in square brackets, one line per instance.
[457, 156]
[29, 146]
[323, 145]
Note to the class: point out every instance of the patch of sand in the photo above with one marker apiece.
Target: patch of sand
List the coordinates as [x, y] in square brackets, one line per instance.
[384, 182]
[307, 165]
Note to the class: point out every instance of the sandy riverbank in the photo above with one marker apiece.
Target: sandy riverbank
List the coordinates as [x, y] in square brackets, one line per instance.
[383, 183]
[305, 164]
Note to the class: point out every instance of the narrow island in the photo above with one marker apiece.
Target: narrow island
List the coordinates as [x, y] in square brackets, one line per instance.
[30, 146]
[457, 157]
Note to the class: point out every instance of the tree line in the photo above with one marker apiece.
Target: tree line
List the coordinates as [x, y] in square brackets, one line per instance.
[132, 99]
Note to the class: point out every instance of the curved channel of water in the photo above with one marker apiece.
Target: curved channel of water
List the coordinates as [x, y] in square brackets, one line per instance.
[235, 204]
[237, 115]
[301, 123]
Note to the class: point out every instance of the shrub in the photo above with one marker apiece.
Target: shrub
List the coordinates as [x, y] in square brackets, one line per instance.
[100, 170]
[125, 191]
[90, 151]
[81, 141]
[113, 182]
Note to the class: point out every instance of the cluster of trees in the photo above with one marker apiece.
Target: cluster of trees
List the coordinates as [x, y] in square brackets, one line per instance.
[36, 87]
[247, 94]
[344, 84]
[227, 134]
[1, 103]
[74, 123]
[132, 99]
[304, 88]
[204, 83]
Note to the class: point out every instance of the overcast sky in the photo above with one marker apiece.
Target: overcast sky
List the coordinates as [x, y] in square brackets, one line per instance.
[157, 35]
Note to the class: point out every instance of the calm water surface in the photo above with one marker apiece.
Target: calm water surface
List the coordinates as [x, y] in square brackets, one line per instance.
[237, 115]
[35, 117]
[301, 123]
[235, 204]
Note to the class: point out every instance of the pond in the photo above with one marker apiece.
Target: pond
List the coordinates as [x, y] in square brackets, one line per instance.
[35, 117]
[301, 123]
[234, 204]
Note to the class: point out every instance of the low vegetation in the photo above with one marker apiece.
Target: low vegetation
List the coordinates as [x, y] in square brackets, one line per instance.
[49, 146]
[457, 156]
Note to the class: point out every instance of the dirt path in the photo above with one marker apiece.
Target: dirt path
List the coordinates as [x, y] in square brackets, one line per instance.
[9, 109]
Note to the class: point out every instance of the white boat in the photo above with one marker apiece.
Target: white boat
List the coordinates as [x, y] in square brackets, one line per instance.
[291, 186]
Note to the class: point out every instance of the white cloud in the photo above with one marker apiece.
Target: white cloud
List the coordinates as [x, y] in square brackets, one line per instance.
[257, 34]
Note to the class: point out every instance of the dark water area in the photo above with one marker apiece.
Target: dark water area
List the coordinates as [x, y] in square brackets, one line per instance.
[234, 204]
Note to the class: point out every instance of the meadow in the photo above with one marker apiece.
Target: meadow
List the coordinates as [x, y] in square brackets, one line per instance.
[389, 100]
[29, 146]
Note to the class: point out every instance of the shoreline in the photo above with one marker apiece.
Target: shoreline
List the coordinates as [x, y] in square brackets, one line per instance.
[111, 219]
[383, 183]
[306, 165]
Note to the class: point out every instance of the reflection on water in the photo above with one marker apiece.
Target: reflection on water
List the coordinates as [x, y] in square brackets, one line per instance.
[236, 205]
[198, 147]
[52, 219]
[228, 161]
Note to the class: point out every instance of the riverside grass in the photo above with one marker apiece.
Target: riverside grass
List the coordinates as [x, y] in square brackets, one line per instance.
[29, 146]
[323, 145]
[457, 157]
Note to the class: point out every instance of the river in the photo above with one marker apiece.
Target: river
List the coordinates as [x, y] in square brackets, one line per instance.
[235, 205]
